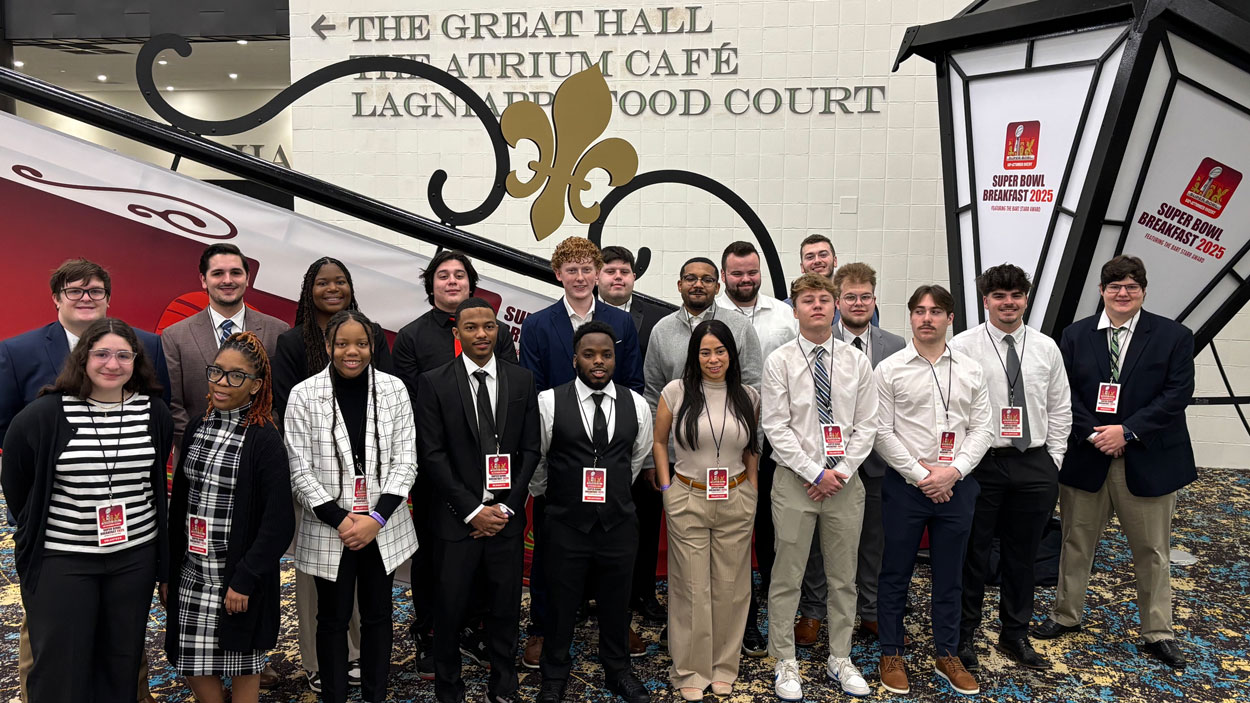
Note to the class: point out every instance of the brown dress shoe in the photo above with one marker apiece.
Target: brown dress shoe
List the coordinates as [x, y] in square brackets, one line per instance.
[533, 651]
[894, 674]
[637, 648]
[951, 669]
[269, 677]
[806, 632]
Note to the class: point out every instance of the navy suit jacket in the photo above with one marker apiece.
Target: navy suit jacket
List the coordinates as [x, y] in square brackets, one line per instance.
[547, 346]
[1156, 384]
[33, 359]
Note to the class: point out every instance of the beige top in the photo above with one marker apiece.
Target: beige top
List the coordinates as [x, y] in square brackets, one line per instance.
[693, 464]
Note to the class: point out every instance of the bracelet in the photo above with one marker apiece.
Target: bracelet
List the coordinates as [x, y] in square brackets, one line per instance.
[666, 486]
[818, 477]
[381, 520]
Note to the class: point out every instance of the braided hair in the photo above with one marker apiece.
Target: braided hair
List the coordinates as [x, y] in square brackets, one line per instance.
[248, 344]
[306, 314]
[339, 319]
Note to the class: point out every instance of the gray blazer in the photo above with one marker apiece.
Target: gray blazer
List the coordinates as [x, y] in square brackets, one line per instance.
[881, 344]
[191, 345]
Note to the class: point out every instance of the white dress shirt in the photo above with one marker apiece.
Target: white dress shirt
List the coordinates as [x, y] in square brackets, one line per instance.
[71, 338]
[789, 415]
[547, 416]
[624, 307]
[1104, 323]
[492, 392]
[579, 320]
[1042, 376]
[218, 318]
[773, 320]
[865, 337]
[912, 412]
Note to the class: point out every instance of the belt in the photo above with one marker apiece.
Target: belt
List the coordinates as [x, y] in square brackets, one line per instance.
[1012, 451]
[700, 486]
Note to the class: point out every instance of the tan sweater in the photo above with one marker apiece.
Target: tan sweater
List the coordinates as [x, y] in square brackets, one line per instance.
[693, 464]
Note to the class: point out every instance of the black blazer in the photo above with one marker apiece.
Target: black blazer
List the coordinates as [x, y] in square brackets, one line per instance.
[449, 453]
[263, 524]
[1156, 384]
[646, 314]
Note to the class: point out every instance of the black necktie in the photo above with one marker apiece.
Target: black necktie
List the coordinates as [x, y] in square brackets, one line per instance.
[485, 416]
[599, 431]
[858, 343]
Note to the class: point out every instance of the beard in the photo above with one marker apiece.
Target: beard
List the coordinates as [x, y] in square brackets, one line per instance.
[735, 294]
[591, 383]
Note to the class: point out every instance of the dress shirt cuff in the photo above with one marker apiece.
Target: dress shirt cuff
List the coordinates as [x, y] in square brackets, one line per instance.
[811, 472]
[1091, 436]
[330, 513]
[473, 514]
[387, 503]
[962, 465]
[914, 473]
[1058, 459]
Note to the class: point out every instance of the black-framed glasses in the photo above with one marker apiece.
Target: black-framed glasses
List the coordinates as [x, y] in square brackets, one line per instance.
[1130, 288]
[234, 379]
[77, 293]
[692, 279]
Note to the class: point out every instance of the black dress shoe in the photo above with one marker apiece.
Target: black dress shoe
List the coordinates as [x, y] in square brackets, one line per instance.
[551, 691]
[1168, 652]
[628, 686]
[968, 657]
[1021, 652]
[1050, 629]
[753, 642]
[651, 610]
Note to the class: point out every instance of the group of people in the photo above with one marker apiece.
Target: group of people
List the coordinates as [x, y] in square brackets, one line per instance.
[798, 430]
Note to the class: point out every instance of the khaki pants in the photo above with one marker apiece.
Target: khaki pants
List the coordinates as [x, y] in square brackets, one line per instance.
[26, 659]
[840, 519]
[709, 581]
[1146, 522]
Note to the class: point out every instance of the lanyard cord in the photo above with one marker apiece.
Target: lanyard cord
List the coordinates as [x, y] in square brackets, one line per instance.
[1011, 382]
[950, 375]
[117, 450]
[724, 415]
[586, 419]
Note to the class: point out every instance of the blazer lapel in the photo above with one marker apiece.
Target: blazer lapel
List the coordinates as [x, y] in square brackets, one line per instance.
[501, 398]
[56, 347]
[877, 342]
[635, 313]
[1137, 345]
[564, 333]
[1100, 351]
[467, 401]
[342, 443]
[205, 336]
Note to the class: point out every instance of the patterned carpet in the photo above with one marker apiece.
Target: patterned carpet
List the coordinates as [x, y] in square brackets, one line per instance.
[1103, 663]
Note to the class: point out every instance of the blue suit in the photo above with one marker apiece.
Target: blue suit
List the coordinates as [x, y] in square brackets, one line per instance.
[33, 359]
[547, 346]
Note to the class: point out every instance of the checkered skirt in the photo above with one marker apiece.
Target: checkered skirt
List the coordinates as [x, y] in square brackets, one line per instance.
[212, 467]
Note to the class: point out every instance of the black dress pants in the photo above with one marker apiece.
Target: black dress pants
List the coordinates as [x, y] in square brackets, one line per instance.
[87, 618]
[538, 570]
[463, 566]
[765, 535]
[363, 570]
[649, 508]
[1018, 494]
[572, 557]
[423, 573]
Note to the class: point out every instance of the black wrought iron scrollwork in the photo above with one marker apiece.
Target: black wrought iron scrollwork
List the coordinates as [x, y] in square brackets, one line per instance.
[201, 226]
[708, 185]
[391, 64]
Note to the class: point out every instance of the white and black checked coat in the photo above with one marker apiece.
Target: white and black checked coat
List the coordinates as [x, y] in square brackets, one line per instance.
[315, 478]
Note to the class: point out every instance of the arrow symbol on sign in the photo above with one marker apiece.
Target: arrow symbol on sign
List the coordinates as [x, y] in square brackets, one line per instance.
[320, 27]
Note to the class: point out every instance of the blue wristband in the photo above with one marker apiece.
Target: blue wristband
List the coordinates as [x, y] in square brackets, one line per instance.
[818, 477]
[381, 520]
[666, 486]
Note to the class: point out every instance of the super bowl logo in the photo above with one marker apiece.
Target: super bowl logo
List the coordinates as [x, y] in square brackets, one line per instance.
[1211, 187]
[1020, 152]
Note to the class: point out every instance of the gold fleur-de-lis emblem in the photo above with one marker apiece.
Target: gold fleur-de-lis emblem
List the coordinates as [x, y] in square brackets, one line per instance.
[581, 110]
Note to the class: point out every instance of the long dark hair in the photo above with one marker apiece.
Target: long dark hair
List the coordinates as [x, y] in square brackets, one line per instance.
[248, 344]
[73, 379]
[306, 314]
[693, 400]
[337, 320]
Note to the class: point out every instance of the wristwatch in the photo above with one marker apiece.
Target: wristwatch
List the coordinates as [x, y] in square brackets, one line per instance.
[1128, 435]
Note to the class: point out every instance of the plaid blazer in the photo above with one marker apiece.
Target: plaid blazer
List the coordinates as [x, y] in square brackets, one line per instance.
[311, 445]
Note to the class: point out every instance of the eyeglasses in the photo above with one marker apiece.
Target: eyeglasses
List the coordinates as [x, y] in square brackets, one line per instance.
[866, 298]
[692, 279]
[77, 293]
[234, 379]
[123, 356]
[1130, 288]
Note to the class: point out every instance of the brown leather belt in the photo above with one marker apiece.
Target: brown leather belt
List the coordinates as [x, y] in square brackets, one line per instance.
[700, 486]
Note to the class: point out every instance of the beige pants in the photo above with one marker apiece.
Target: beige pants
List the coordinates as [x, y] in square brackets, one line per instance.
[840, 518]
[26, 660]
[1146, 522]
[709, 582]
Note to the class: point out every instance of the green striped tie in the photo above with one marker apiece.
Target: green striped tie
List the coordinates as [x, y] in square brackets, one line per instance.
[1115, 354]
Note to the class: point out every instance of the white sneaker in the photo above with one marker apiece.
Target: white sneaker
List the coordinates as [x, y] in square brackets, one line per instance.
[788, 684]
[842, 670]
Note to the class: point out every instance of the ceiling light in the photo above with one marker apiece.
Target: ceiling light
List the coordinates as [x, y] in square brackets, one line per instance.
[162, 62]
[102, 78]
[241, 41]
[19, 64]
[234, 76]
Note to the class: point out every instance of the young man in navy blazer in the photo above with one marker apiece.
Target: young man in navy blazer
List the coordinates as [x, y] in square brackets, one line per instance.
[1132, 376]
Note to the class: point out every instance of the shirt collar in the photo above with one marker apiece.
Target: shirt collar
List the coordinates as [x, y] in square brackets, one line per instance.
[808, 347]
[1104, 322]
[624, 307]
[584, 391]
[218, 318]
[848, 337]
[471, 366]
[71, 338]
[442, 318]
[569, 309]
[911, 353]
[998, 335]
[693, 320]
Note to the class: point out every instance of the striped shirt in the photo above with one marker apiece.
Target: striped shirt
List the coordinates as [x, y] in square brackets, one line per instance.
[110, 446]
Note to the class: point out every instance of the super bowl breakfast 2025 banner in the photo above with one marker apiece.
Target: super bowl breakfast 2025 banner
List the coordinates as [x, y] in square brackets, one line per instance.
[65, 198]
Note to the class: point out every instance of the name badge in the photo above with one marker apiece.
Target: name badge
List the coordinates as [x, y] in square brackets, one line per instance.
[1108, 398]
[360, 495]
[498, 472]
[946, 447]
[594, 485]
[1009, 422]
[197, 535]
[835, 442]
[718, 484]
[110, 524]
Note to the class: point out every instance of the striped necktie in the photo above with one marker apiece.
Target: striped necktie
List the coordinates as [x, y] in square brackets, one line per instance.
[823, 408]
[227, 328]
[1115, 354]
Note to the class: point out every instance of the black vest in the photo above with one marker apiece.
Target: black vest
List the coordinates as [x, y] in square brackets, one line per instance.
[571, 450]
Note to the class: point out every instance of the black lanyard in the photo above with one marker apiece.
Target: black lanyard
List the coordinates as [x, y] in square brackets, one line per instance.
[1011, 382]
[950, 375]
[724, 415]
[117, 450]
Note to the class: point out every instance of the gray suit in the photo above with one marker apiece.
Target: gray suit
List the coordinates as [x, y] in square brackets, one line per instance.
[881, 344]
[191, 345]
